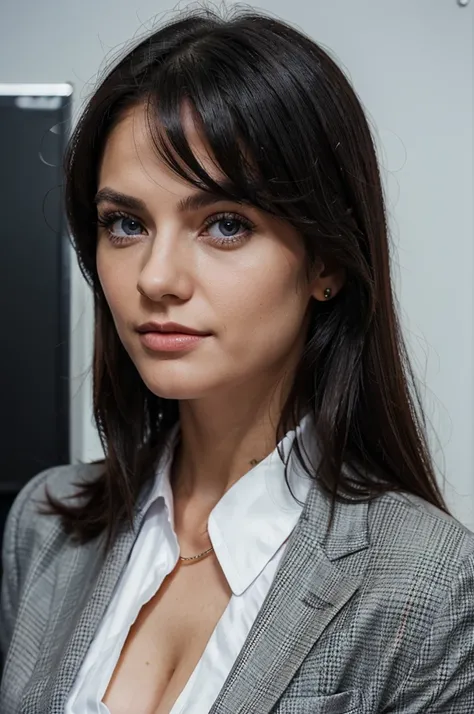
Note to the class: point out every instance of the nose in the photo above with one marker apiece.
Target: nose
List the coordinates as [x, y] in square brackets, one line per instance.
[165, 272]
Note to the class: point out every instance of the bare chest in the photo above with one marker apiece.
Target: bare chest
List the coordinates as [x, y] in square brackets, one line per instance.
[167, 640]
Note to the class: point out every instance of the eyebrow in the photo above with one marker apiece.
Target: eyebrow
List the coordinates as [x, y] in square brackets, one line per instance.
[199, 199]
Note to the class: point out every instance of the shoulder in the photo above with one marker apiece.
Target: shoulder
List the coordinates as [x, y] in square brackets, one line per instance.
[25, 525]
[405, 521]
[62, 482]
[418, 554]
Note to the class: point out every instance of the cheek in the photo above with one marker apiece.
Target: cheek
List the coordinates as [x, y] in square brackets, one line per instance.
[263, 306]
[116, 277]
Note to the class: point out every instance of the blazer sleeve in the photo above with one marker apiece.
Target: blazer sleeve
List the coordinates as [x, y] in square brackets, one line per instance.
[441, 678]
[15, 553]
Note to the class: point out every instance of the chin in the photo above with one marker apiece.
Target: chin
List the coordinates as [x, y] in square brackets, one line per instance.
[179, 393]
[170, 378]
[174, 388]
[184, 379]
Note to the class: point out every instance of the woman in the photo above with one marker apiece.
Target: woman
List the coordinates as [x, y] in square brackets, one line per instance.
[265, 533]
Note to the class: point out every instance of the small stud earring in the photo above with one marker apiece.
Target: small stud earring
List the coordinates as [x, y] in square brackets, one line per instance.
[327, 293]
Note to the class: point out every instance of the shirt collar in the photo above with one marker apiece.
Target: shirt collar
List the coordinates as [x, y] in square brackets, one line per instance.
[258, 513]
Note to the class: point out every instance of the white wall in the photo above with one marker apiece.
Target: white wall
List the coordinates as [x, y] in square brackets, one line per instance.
[411, 63]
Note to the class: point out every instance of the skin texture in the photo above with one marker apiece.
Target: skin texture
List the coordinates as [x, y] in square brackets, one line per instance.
[248, 289]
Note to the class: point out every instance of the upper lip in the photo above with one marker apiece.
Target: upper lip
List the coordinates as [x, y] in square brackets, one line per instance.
[169, 327]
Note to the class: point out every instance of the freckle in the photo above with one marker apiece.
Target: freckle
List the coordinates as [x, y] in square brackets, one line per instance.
[147, 663]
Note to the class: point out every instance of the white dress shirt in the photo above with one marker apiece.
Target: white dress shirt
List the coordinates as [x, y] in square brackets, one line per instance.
[248, 529]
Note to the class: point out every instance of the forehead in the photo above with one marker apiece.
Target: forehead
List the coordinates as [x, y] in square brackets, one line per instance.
[130, 147]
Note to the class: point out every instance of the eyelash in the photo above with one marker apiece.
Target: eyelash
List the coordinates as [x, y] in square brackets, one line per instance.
[108, 218]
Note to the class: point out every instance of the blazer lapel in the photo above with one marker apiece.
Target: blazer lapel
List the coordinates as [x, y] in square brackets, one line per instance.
[306, 594]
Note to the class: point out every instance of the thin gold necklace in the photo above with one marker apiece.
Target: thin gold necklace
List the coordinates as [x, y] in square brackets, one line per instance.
[193, 558]
[197, 557]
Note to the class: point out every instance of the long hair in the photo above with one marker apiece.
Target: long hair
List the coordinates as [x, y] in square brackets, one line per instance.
[291, 137]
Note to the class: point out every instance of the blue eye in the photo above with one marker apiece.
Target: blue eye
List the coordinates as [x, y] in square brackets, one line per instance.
[133, 225]
[228, 228]
[130, 225]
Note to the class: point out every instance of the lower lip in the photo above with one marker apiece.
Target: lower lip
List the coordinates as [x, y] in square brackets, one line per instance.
[169, 341]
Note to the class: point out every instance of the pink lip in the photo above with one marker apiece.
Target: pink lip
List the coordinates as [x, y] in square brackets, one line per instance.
[169, 341]
[169, 336]
[169, 327]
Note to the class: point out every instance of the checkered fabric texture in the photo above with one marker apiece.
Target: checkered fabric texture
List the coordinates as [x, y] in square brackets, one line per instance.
[377, 617]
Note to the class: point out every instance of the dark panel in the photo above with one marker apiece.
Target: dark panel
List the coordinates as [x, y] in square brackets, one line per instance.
[34, 292]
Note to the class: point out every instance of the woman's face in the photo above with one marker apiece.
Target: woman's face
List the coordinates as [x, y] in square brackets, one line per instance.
[229, 271]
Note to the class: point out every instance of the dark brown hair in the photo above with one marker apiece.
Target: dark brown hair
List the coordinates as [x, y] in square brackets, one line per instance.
[261, 89]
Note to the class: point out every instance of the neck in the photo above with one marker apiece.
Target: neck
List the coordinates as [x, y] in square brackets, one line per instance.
[220, 442]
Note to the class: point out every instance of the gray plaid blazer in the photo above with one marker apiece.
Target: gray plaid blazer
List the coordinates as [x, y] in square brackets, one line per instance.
[376, 618]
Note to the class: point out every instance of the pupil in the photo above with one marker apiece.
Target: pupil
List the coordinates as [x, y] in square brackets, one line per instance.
[131, 224]
[228, 226]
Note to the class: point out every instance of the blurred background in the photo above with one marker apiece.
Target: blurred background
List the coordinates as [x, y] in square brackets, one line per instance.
[411, 63]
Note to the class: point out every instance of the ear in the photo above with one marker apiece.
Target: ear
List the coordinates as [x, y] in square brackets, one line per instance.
[328, 281]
